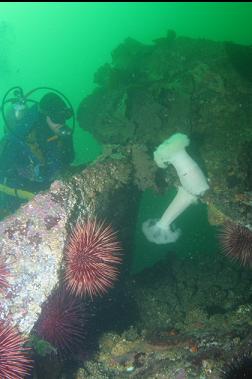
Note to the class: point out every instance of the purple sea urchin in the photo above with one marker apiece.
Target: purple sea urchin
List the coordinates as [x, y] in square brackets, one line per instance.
[62, 323]
[236, 241]
[239, 368]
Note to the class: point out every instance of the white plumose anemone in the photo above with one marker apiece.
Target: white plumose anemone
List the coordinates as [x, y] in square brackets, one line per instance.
[172, 151]
[159, 231]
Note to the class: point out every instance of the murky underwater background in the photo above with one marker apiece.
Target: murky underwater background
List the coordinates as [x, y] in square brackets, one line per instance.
[185, 309]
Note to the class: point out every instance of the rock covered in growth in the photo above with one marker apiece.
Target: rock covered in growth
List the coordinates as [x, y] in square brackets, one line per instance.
[198, 87]
[188, 322]
[33, 239]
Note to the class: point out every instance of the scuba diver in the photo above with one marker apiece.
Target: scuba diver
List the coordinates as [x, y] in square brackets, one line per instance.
[37, 146]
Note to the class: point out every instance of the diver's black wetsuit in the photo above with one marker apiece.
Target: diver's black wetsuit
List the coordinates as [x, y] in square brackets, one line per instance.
[31, 156]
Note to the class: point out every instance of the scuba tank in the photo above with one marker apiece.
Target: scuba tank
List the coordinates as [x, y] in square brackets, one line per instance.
[20, 112]
[20, 101]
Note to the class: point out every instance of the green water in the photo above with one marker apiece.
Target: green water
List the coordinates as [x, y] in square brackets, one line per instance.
[61, 45]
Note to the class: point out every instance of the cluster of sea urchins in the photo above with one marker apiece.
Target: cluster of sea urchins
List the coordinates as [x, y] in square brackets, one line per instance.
[92, 256]
[92, 259]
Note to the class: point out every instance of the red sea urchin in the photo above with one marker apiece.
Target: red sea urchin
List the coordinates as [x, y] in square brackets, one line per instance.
[92, 257]
[236, 241]
[61, 323]
[14, 362]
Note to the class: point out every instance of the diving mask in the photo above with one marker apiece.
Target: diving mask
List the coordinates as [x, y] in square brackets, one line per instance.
[60, 130]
